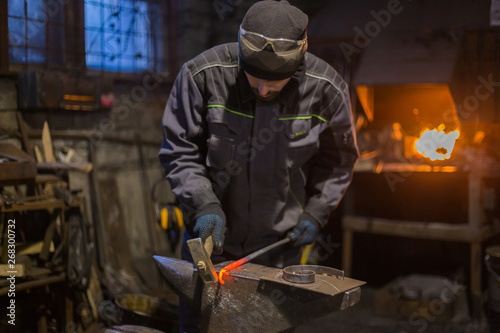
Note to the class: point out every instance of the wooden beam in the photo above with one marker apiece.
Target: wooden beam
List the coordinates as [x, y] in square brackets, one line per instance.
[347, 252]
[60, 167]
[5, 270]
[24, 135]
[37, 205]
[35, 283]
[476, 263]
[4, 38]
[49, 204]
[477, 216]
[48, 150]
[74, 34]
[80, 135]
[420, 230]
[170, 24]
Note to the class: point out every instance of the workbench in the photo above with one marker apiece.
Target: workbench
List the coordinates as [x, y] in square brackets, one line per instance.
[36, 277]
[476, 231]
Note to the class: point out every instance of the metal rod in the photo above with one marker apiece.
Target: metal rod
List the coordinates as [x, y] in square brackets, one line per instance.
[255, 254]
[251, 256]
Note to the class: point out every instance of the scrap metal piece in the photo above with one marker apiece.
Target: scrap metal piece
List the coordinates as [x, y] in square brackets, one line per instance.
[202, 261]
[257, 298]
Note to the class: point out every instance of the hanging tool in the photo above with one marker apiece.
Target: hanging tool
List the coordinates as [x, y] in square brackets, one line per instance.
[171, 221]
[168, 216]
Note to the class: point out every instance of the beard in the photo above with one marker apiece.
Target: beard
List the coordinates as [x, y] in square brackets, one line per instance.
[270, 96]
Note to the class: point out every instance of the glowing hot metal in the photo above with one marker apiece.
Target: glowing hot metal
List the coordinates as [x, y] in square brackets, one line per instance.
[250, 257]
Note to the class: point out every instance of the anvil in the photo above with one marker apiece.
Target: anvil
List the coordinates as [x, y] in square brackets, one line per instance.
[256, 298]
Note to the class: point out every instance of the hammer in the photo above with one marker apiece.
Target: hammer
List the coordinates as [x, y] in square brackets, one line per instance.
[201, 258]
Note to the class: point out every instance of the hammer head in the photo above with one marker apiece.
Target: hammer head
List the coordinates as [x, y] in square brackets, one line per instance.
[201, 258]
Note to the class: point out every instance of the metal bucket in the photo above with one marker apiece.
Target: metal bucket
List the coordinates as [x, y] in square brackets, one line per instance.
[492, 261]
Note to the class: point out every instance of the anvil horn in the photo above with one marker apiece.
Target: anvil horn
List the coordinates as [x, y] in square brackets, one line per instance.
[182, 278]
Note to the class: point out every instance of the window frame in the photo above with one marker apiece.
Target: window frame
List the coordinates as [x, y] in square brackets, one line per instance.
[74, 45]
[4, 38]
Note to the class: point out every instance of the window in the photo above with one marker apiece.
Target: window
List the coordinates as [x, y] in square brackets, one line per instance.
[113, 35]
[123, 36]
[29, 24]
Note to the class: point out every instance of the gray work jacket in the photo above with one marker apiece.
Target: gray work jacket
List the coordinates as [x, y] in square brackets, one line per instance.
[264, 162]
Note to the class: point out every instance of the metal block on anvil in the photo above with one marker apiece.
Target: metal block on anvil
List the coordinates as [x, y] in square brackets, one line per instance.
[258, 298]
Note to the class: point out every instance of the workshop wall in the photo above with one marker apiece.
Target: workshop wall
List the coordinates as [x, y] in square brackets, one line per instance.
[111, 140]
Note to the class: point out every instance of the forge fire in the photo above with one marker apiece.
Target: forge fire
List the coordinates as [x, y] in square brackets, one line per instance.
[435, 144]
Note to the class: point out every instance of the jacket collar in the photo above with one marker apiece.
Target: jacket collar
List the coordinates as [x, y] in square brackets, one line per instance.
[292, 87]
[286, 95]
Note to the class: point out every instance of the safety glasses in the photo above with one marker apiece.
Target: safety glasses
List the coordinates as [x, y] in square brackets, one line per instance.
[258, 42]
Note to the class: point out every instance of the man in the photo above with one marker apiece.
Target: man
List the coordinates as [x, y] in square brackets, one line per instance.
[259, 139]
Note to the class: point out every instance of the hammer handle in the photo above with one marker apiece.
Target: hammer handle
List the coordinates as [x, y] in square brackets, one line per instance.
[209, 245]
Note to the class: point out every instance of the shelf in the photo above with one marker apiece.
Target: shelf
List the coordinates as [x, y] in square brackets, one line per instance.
[21, 286]
[49, 204]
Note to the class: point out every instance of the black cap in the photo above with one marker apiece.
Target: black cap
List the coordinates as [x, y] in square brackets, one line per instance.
[273, 19]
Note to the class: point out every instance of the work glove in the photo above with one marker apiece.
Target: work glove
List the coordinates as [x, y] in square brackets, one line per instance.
[211, 220]
[305, 231]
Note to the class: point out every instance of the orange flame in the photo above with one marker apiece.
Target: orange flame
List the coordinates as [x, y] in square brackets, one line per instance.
[436, 144]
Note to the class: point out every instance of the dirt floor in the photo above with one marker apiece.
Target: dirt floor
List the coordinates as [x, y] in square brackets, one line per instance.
[362, 319]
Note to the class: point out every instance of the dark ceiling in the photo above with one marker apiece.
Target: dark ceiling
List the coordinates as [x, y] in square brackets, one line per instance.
[337, 19]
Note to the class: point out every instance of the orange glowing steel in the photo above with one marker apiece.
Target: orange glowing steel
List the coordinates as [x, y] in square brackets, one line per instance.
[436, 144]
[230, 267]
[251, 256]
